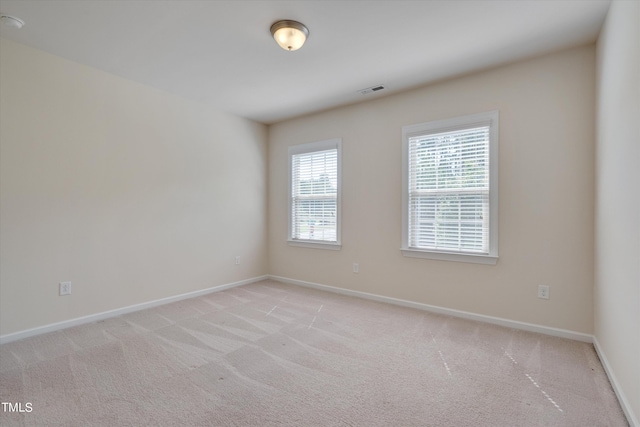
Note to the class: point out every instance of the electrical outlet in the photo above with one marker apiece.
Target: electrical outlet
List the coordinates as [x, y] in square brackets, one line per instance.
[65, 288]
[238, 260]
[356, 267]
[543, 291]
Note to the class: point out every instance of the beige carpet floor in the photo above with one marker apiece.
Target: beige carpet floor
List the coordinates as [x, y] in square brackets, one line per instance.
[271, 354]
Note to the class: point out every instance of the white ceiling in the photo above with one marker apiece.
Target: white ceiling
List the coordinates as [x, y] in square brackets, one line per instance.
[221, 52]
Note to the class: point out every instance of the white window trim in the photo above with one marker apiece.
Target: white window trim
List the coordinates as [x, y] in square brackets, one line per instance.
[308, 148]
[492, 118]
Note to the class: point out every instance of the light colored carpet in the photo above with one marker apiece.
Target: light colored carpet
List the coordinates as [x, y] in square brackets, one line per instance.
[270, 354]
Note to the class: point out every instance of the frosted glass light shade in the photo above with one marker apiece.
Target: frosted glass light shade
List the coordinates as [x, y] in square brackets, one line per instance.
[290, 35]
[11, 22]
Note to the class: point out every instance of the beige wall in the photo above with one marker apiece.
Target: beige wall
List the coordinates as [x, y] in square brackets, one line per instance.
[128, 192]
[546, 194]
[617, 260]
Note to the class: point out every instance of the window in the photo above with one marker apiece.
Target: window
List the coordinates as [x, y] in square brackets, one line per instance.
[450, 189]
[314, 194]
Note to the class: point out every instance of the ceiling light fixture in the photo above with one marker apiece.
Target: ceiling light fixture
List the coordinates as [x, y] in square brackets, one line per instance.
[11, 21]
[290, 35]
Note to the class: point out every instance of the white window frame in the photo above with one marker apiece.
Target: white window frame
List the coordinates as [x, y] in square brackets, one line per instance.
[459, 123]
[335, 143]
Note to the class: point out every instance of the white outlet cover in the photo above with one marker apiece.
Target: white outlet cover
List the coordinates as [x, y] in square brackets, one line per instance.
[65, 288]
[543, 291]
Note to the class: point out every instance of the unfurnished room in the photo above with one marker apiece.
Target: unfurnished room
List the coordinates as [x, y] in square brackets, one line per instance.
[320, 213]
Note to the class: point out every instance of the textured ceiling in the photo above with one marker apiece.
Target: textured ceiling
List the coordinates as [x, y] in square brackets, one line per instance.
[221, 52]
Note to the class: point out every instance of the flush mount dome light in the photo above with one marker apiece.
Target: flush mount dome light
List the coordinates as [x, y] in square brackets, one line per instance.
[290, 35]
[11, 21]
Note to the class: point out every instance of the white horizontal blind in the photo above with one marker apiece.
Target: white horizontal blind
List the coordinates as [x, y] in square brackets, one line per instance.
[314, 190]
[449, 191]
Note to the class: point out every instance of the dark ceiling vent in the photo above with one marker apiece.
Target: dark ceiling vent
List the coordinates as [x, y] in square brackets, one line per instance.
[371, 89]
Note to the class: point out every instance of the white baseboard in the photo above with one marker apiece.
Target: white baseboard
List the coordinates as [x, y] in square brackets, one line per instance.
[622, 398]
[120, 311]
[563, 333]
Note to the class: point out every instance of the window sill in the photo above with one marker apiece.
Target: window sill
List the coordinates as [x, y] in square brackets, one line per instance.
[447, 256]
[315, 245]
